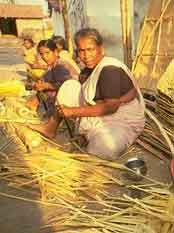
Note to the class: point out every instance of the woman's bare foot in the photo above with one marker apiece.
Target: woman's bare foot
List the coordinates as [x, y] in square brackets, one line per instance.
[44, 129]
[47, 129]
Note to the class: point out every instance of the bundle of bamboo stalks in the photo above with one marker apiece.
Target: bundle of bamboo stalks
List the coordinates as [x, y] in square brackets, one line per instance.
[157, 136]
[12, 88]
[165, 109]
[154, 141]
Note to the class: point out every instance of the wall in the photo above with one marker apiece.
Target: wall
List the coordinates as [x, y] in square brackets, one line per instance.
[58, 26]
[105, 16]
[42, 3]
[33, 27]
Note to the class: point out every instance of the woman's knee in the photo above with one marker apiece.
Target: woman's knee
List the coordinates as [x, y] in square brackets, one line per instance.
[108, 151]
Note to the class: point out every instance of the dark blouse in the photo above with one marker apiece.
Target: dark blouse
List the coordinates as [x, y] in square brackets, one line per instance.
[113, 82]
[56, 76]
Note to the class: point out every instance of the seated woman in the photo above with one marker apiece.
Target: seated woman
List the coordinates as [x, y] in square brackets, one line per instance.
[111, 111]
[51, 81]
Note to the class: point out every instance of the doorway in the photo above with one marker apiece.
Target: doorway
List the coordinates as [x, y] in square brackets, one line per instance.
[8, 26]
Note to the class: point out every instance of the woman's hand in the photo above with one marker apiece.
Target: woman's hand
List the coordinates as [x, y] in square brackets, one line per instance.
[41, 86]
[65, 111]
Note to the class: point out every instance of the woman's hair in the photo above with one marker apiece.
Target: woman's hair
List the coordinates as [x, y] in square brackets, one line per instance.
[59, 40]
[50, 44]
[90, 33]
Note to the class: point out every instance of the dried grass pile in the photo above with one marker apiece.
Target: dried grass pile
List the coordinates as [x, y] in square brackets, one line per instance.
[91, 195]
[85, 192]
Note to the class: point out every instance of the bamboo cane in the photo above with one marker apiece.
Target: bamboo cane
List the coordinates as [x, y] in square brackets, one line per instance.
[158, 42]
[125, 6]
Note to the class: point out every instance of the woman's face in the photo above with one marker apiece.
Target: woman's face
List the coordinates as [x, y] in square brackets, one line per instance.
[48, 55]
[27, 44]
[89, 52]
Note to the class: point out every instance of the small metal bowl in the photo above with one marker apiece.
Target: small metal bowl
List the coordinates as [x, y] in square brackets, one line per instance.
[139, 167]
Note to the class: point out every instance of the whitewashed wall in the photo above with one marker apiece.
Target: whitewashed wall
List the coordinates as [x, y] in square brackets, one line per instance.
[42, 3]
[106, 17]
[58, 26]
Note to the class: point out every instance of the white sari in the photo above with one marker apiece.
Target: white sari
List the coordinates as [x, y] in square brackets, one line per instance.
[110, 135]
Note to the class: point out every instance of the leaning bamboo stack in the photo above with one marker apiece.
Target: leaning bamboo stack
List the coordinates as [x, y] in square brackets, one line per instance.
[165, 109]
[165, 96]
[163, 112]
[155, 46]
[157, 140]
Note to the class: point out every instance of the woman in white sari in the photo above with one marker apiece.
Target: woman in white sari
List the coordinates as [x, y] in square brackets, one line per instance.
[111, 107]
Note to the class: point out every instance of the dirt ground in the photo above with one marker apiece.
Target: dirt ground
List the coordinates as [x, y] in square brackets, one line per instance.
[19, 216]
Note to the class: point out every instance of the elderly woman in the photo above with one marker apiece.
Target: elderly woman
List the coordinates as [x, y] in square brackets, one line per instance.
[111, 112]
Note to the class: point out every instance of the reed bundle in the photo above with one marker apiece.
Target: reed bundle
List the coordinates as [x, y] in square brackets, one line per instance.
[12, 88]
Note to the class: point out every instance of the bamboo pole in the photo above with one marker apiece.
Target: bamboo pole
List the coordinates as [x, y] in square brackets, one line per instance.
[68, 35]
[126, 23]
[154, 73]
